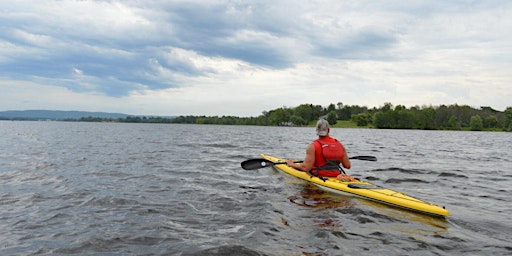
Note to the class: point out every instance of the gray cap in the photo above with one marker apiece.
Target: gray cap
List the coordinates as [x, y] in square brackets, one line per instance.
[322, 127]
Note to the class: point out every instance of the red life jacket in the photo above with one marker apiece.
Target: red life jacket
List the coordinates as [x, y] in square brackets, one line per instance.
[328, 155]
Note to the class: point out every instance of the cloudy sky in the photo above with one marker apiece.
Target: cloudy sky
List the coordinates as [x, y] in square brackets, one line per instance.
[241, 58]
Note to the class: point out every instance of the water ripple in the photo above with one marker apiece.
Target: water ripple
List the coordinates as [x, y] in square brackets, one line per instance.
[156, 189]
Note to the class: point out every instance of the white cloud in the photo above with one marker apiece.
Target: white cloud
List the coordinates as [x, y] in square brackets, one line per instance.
[242, 58]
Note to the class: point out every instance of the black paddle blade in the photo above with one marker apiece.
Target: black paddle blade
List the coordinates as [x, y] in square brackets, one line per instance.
[365, 158]
[253, 164]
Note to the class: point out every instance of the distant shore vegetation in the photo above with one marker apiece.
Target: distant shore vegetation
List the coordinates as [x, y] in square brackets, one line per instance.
[388, 116]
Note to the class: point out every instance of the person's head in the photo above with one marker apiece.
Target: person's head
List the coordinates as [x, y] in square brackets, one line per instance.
[322, 128]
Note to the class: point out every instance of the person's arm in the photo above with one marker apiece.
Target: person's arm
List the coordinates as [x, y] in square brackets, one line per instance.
[345, 161]
[308, 162]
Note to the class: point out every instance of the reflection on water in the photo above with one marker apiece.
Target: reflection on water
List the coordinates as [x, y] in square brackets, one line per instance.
[313, 197]
[411, 222]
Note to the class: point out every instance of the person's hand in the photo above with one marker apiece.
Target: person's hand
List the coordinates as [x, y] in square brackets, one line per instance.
[289, 162]
[345, 177]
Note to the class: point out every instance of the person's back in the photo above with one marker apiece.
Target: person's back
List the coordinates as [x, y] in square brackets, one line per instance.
[329, 153]
[320, 152]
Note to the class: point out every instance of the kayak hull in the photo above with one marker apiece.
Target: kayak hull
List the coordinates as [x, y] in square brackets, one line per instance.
[361, 189]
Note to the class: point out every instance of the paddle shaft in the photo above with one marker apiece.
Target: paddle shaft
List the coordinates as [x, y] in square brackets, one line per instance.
[258, 163]
[364, 158]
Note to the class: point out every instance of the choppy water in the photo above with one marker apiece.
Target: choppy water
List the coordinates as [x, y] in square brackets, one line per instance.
[151, 189]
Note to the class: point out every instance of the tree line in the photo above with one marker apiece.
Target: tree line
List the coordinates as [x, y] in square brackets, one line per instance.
[388, 116]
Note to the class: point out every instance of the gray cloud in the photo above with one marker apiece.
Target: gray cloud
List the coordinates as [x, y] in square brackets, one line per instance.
[116, 48]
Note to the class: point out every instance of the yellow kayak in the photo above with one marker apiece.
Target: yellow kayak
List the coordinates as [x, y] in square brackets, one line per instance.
[361, 189]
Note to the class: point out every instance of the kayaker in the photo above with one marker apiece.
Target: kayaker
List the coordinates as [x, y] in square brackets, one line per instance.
[324, 155]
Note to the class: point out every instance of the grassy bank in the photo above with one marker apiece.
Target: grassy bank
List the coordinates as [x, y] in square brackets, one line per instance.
[348, 124]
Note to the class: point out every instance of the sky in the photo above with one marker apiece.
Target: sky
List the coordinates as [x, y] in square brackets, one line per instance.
[241, 58]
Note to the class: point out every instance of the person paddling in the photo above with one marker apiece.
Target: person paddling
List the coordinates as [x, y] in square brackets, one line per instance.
[324, 156]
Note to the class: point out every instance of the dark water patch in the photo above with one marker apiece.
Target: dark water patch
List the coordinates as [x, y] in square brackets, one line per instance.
[489, 172]
[108, 173]
[93, 245]
[367, 216]
[110, 202]
[384, 238]
[398, 181]
[96, 245]
[404, 171]
[364, 220]
[8, 199]
[57, 217]
[235, 250]
[381, 170]
[371, 178]
[452, 175]
[452, 239]
[496, 197]
[253, 188]
[494, 178]
[503, 190]
[216, 145]
[224, 204]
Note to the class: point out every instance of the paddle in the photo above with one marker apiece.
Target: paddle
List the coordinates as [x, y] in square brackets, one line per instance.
[258, 163]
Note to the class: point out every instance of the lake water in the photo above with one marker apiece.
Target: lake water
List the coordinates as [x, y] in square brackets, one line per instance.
[161, 189]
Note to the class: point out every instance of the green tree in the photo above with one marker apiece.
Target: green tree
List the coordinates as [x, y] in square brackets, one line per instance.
[454, 123]
[405, 119]
[442, 118]
[387, 117]
[508, 119]
[133, 119]
[361, 119]
[427, 118]
[331, 107]
[387, 107]
[306, 112]
[476, 123]
[297, 120]
[491, 122]
[345, 112]
[279, 116]
[464, 114]
[383, 120]
[332, 118]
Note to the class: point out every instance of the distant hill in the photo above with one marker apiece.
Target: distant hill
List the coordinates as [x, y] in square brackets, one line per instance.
[54, 115]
